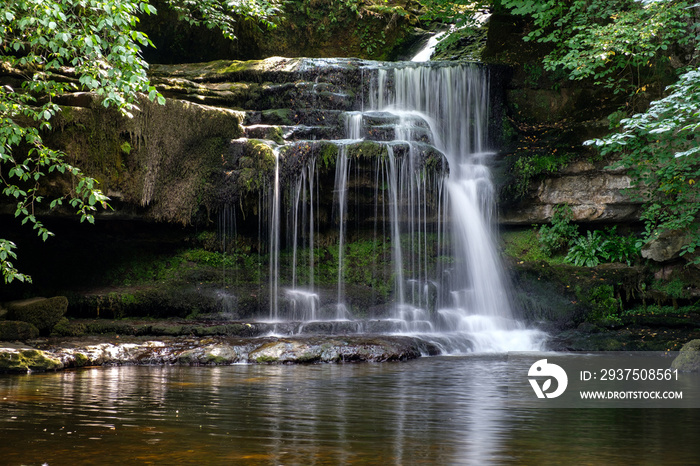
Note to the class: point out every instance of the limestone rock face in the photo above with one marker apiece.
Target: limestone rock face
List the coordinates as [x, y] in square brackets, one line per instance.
[43, 313]
[689, 358]
[593, 195]
[153, 164]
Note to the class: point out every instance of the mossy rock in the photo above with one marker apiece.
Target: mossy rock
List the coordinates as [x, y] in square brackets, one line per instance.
[43, 313]
[67, 328]
[278, 116]
[24, 360]
[689, 358]
[17, 331]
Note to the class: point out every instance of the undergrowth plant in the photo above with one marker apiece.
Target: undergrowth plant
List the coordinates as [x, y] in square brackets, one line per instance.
[589, 250]
[560, 233]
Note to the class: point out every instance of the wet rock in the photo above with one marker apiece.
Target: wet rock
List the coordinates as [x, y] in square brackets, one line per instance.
[43, 313]
[283, 351]
[689, 358]
[216, 350]
[333, 349]
[215, 354]
[15, 358]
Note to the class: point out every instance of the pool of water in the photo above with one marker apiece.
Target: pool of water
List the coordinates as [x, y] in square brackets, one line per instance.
[443, 410]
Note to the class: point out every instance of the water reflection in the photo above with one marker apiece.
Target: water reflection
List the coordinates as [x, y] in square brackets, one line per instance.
[430, 411]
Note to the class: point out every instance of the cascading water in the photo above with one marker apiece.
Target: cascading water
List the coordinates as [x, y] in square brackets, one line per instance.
[453, 102]
[447, 281]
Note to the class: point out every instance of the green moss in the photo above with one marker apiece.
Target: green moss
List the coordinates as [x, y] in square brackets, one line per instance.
[224, 66]
[367, 150]
[675, 288]
[81, 360]
[167, 158]
[462, 44]
[44, 313]
[278, 116]
[66, 328]
[216, 360]
[328, 155]
[307, 358]
[276, 135]
[659, 310]
[527, 167]
[524, 245]
[257, 165]
[26, 360]
[218, 69]
[266, 359]
[11, 330]
[605, 306]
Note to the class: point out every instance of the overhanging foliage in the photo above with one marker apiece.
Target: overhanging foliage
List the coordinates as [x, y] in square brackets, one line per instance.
[49, 48]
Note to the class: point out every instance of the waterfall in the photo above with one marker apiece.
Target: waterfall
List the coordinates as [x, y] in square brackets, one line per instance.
[275, 241]
[424, 132]
[304, 301]
[452, 102]
[341, 181]
[456, 97]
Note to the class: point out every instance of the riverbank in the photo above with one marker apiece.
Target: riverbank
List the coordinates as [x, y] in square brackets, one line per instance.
[56, 353]
[100, 342]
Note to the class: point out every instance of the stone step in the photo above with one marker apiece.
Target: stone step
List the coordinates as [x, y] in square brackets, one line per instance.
[311, 124]
[343, 71]
[284, 133]
[247, 96]
[293, 117]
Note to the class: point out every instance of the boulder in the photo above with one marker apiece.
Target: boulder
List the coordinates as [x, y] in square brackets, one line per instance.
[17, 331]
[689, 358]
[666, 246]
[25, 359]
[43, 313]
[340, 349]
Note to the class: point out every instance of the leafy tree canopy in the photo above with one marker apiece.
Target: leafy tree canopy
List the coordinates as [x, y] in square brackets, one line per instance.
[52, 47]
[617, 43]
[620, 44]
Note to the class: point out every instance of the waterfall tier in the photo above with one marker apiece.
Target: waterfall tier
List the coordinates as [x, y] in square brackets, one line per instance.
[395, 154]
